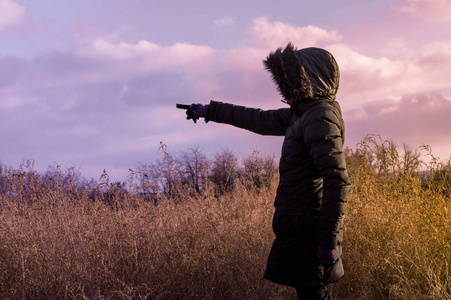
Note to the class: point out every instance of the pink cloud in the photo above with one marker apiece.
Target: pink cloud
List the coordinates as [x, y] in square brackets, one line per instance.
[415, 119]
[118, 96]
[209, 71]
[226, 21]
[206, 70]
[11, 14]
[366, 77]
[380, 107]
[431, 9]
[278, 34]
[150, 54]
[435, 61]
[362, 76]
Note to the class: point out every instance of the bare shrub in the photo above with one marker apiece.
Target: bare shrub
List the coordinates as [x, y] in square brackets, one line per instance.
[397, 232]
[59, 242]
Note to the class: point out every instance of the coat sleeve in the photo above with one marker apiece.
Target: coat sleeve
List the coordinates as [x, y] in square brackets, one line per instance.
[324, 135]
[265, 122]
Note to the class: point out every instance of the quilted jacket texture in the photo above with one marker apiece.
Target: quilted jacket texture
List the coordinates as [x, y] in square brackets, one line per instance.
[311, 195]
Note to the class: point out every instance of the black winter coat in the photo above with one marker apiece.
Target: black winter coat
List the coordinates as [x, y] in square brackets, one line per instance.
[311, 196]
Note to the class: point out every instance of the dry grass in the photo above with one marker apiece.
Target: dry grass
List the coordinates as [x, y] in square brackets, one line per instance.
[56, 243]
[56, 246]
[397, 243]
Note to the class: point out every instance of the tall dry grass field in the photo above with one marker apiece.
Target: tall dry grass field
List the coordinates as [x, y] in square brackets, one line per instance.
[58, 242]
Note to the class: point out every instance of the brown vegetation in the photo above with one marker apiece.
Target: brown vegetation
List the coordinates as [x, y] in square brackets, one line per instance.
[60, 239]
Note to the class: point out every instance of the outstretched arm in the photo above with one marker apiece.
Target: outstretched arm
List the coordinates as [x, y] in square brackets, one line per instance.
[265, 122]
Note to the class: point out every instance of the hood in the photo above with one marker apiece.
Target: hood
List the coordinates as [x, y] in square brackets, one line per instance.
[310, 73]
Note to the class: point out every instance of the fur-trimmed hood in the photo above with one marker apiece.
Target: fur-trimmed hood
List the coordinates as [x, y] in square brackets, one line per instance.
[310, 73]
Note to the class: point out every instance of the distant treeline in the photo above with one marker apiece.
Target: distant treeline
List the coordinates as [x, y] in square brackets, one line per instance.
[193, 172]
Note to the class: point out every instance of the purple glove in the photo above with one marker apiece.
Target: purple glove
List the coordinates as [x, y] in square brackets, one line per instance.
[326, 257]
[196, 111]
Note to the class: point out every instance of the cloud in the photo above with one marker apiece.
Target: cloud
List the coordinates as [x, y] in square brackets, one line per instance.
[391, 96]
[150, 54]
[226, 21]
[366, 77]
[207, 72]
[431, 9]
[435, 61]
[415, 119]
[278, 34]
[11, 14]
[363, 77]
[108, 100]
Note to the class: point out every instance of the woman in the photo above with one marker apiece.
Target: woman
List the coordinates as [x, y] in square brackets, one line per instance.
[311, 196]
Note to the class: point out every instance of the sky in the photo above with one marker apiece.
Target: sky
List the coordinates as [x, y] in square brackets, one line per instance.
[92, 84]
